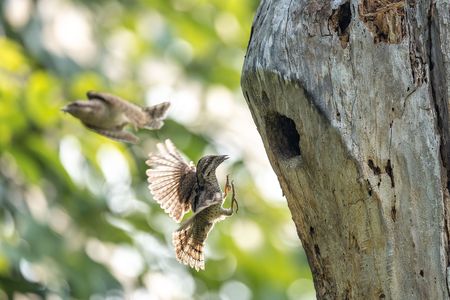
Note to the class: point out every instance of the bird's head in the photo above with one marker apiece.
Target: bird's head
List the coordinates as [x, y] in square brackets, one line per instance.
[79, 108]
[207, 165]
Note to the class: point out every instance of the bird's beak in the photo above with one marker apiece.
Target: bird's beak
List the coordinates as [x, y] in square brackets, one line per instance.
[223, 158]
[71, 107]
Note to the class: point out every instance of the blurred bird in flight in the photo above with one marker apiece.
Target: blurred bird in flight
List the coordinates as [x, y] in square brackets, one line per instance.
[107, 115]
[179, 186]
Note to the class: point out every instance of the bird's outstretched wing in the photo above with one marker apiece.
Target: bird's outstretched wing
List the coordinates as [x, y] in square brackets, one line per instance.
[118, 135]
[132, 111]
[171, 180]
[107, 98]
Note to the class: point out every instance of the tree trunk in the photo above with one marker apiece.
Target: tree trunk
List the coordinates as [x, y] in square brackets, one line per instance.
[351, 101]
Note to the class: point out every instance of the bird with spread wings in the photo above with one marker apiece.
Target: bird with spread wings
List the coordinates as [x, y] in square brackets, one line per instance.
[179, 186]
[108, 114]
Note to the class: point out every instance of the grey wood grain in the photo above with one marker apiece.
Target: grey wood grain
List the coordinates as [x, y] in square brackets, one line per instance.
[356, 128]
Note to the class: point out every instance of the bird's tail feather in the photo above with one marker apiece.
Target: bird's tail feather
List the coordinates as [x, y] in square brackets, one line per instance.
[188, 250]
[156, 114]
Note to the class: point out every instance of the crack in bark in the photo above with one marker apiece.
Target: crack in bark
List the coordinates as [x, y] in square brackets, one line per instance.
[416, 57]
[441, 109]
[286, 47]
[406, 100]
[389, 172]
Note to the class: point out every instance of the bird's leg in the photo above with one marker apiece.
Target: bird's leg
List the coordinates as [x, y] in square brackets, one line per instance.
[233, 198]
[227, 187]
[230, 211]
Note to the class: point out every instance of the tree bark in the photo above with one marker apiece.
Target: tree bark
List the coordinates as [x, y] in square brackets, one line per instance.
[351, 101]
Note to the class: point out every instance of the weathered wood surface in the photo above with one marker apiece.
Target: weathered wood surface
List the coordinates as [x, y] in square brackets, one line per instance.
[351, 101]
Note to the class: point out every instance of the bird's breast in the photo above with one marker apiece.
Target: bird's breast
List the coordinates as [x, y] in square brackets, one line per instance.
[213, 213]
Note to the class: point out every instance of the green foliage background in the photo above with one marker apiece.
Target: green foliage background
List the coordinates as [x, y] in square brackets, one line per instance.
[74, 227]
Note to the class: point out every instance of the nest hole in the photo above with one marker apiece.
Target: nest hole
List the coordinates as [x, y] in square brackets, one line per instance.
[344, 16]
[283, 136]
[340, 20]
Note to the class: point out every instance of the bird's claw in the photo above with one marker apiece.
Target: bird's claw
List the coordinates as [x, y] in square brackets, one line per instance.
[233, 198]
[230, 188]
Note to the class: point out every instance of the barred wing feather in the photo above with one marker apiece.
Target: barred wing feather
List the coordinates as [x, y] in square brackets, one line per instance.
[171, 180]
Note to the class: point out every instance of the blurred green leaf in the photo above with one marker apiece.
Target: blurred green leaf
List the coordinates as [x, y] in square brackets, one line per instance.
[78, 225]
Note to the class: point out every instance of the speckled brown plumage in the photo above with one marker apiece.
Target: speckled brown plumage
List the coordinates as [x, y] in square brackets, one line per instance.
[179, 186]
[108, 114]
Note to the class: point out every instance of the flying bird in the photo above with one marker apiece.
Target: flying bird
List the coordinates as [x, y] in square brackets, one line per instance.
[179, 186]
[107, 115]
